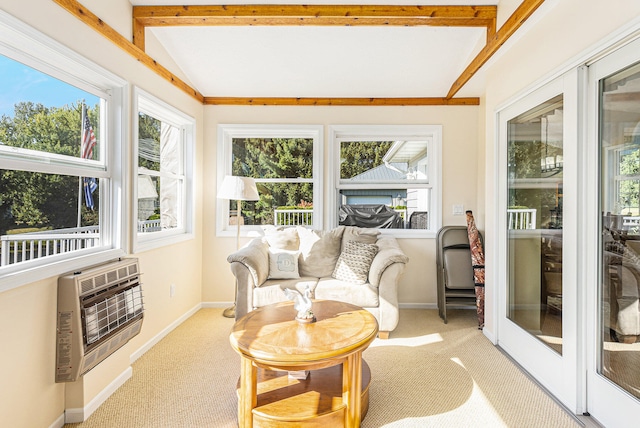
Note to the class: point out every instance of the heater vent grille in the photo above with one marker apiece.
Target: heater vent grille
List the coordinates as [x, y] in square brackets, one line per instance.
[99, 310]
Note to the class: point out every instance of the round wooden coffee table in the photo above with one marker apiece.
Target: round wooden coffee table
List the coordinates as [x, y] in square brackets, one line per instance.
[271, 342]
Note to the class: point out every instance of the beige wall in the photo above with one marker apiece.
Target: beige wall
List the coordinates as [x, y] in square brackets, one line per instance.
[459, 176]
[29, 397]
[558, 34]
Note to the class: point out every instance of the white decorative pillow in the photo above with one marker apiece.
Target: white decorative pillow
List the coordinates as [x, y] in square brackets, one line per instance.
[283, 264]
[354, 262]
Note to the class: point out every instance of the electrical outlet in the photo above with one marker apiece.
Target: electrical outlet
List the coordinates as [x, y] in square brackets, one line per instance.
[172, 290]
[458, 209]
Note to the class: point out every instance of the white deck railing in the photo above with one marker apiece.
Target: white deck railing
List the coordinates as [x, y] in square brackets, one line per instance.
[292, 217]
[28, 246]
[149, 226]
[521, 218]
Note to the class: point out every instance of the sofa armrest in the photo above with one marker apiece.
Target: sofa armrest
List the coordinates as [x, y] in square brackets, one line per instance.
[254, 257]
[389, 252]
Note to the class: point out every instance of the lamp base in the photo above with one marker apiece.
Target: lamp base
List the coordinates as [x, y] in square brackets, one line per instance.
[229, 312]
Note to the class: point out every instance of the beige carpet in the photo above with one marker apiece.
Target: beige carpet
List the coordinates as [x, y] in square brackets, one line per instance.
[427, 374]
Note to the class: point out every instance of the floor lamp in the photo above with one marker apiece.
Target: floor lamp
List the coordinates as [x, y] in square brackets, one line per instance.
[238, 189]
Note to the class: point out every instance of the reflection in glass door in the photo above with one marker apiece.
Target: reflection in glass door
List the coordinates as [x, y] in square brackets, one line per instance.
[534, 221]
[619, 290]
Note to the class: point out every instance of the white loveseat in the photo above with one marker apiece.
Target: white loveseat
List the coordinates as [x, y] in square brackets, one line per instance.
[350, 264]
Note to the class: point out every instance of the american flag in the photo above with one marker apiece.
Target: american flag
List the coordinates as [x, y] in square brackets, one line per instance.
[88, 138]
[88, 143]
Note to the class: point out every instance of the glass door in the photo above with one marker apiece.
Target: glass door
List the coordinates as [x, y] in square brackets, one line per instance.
[613, 393]
[538, 293]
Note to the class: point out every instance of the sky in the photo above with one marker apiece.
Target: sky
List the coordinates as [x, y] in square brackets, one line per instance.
[21, 83]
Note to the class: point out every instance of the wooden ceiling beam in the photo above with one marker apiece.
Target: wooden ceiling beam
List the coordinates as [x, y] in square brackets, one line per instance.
[86, 16]
[511, 25]
[314, 15]
[346, 21]
[136, 49]
[239, 101]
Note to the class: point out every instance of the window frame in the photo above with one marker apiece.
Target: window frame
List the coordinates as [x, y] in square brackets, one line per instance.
[24, 44]
[430, 133]
[150, 105]
[226, 134]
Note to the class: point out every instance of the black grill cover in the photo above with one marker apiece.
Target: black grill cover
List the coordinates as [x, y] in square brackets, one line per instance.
[373, 216]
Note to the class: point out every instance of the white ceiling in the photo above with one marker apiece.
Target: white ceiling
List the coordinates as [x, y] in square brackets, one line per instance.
[321, 61]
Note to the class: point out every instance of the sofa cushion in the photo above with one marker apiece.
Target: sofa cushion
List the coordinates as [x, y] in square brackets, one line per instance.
[319, 251]
[354, 262]
[272, 290]
[352, 233]
[284, 239]
[283, 264]
[363, 295]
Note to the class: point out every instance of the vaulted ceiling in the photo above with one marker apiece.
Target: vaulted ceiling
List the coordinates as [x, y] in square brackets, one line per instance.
[319, 54]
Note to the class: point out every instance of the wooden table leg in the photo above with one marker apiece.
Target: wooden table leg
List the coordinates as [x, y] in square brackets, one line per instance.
[247, 398]
[351, 389]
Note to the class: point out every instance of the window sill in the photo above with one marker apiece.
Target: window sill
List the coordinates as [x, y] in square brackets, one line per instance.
[18, 278]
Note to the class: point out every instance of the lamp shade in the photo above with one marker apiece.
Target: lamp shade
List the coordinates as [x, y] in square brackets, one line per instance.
[238, 189]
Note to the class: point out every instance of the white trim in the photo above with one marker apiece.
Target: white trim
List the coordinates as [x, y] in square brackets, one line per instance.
[418, 305]
[151, 105]
[77, 415]
[430, 133]
[558, 373]
[220, 305]
[162, 334]
[608, 402]
[614, 41]
[226, 132]
[58, 423]
[26, 44]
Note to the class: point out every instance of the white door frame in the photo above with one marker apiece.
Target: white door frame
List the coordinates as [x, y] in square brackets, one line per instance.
[557, 373]
[609, 404]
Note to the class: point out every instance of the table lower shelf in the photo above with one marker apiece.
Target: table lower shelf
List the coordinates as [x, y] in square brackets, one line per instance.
[312, 402]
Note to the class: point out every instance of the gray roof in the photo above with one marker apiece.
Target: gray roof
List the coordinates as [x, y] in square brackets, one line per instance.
[383, 173]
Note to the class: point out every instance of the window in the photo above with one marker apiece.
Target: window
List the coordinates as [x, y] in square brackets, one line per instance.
[164, 179]
[59, 158]
[285, 162]
[387, 177]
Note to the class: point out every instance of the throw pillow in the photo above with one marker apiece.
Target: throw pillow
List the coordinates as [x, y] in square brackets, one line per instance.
[283, 264]
[283, 239]
[354, 262]
[360, 234]
[319, 251]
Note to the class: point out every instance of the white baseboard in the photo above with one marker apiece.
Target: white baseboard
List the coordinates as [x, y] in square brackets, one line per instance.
[158, 337]
[418, 305]
[217, 304]
[489, 335]
[77, 415]
[58, 423]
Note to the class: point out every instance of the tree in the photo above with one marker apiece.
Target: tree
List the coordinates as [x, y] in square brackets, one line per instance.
[274, 158]
[39, 199]
[357, 157]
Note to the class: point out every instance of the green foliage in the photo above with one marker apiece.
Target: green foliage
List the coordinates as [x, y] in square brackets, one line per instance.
[274, 158]
[38, 199]
[357, 157]
[629, 191]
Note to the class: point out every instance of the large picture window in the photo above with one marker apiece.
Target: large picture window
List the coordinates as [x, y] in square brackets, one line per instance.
[59, 143]
[164, 172]
[285, 162]
[387, 177]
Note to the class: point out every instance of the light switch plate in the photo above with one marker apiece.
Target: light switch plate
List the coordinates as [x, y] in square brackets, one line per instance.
[458, 209]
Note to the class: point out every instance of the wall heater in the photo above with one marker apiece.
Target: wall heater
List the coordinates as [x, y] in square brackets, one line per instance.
[99, 310]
